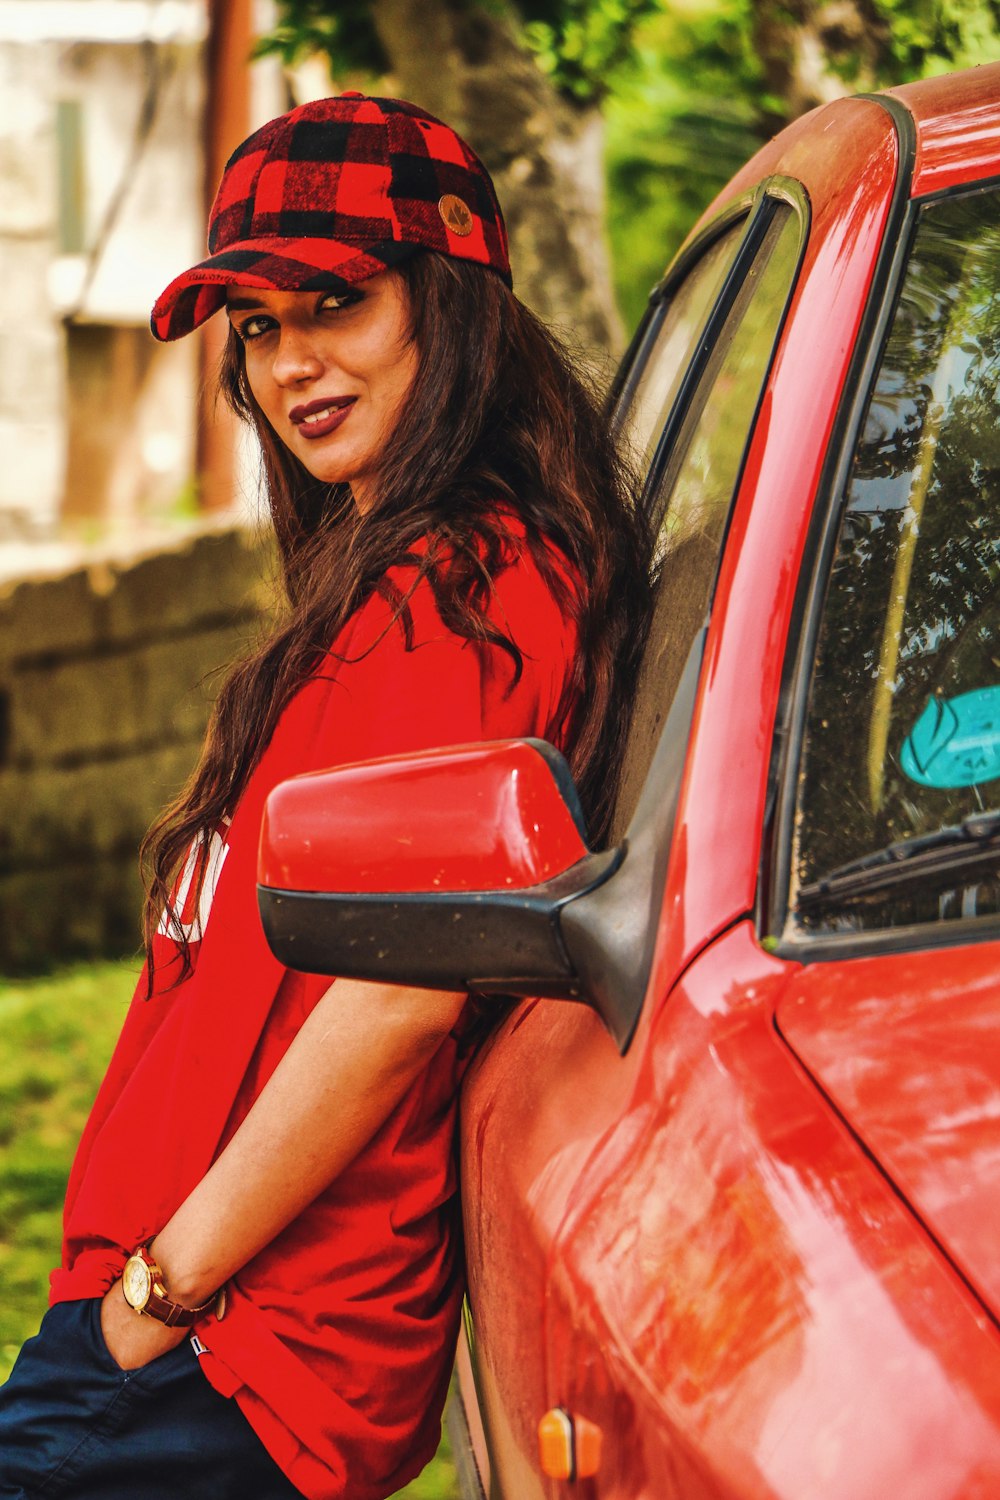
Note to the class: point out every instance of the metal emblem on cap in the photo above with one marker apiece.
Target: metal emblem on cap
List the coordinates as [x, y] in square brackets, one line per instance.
[455, 214]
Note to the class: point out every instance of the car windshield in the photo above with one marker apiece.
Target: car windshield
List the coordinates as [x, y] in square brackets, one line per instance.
[902, 737]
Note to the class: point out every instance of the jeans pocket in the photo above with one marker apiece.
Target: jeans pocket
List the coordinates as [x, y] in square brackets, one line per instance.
[63, 1387]
[145, 1375]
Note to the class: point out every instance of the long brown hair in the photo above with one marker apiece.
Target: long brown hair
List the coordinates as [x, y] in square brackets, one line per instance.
[500, 420]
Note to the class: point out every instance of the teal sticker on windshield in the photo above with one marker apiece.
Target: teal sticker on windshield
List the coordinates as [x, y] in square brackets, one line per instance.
[956, 741]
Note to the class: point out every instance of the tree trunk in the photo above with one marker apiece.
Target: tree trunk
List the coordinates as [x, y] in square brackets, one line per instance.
[462, 62]
[814, 51]
[227, 122]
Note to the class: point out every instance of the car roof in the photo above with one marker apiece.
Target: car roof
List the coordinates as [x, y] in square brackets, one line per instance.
[953, 138]
[957, 121]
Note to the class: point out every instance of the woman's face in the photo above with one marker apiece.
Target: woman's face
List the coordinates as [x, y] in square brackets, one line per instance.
[331, 371]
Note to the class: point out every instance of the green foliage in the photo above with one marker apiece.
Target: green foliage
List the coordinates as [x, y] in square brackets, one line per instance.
[583, 44]
[691, 105]
[680, 122]
[926, 37]
[341, 30]
[682, 86]
[56, 1035]
[580, 44]
[588, 46]
[438, 1481]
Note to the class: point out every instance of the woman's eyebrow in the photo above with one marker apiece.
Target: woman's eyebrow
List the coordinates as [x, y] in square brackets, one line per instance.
[242, 304]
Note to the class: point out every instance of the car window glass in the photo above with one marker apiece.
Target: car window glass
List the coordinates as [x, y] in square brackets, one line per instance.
[902, 738]
[692, 500]
[676, 339]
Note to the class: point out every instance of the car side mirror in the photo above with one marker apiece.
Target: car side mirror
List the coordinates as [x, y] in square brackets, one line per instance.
[469, 867]
[446, 868]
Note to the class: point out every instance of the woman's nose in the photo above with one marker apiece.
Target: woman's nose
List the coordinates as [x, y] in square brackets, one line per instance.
[296, 359]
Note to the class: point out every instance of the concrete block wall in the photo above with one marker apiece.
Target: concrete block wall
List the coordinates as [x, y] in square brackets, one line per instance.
[107, 673]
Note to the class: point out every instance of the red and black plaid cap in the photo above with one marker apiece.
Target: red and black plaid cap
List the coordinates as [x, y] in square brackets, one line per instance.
[334, 192]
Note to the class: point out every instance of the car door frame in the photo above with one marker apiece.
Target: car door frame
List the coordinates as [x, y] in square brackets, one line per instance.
[757, 207]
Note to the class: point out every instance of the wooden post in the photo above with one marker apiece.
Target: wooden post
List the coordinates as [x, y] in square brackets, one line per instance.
[227, 122]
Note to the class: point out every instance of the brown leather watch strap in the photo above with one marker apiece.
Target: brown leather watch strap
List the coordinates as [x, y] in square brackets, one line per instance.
[172, 1313]
[158, 1304]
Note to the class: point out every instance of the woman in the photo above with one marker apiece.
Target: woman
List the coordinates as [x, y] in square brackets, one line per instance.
[266, 1178]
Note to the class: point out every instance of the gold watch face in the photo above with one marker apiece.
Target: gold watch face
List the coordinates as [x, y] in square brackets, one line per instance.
[136, 1282]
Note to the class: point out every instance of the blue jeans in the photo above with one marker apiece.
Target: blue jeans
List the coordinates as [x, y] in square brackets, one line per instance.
[75, 1426]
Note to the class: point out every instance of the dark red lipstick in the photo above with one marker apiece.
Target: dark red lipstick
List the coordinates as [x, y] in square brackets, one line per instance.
[311, 424]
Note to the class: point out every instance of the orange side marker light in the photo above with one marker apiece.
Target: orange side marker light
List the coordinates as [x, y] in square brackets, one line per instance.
[568, 1447]
[588, 1447]
[555, 1444]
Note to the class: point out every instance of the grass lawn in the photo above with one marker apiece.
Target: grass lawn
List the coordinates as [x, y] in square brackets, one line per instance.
[56, 1035]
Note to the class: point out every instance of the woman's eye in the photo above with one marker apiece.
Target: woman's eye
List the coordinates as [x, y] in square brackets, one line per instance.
[254, 327]
[334, 301]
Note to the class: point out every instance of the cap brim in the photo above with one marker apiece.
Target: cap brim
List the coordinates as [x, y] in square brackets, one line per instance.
[273, 264]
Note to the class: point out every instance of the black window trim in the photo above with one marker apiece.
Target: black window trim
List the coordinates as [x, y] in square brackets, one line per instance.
[774, 916]
[757, 207]
[772, 193]
[650, 834]
[633, 362]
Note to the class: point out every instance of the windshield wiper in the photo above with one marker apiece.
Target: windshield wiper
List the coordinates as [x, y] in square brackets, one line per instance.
[961, 846]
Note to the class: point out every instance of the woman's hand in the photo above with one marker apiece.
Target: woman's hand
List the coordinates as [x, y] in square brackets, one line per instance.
[132, 1339]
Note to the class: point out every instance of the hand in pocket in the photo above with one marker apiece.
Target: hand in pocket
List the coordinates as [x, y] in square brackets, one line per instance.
[132, 1339]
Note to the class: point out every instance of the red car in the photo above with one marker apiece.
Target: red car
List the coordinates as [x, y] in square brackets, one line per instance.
[733, 1222]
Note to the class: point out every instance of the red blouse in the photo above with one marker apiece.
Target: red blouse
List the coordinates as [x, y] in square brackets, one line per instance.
[337, 1338]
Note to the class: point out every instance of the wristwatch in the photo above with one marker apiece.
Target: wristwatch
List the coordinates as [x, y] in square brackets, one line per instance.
[145, 1292]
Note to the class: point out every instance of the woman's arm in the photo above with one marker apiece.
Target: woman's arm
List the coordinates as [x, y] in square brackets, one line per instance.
[343, 1074]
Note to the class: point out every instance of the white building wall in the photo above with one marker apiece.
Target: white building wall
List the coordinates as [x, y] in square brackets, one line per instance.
[32, 346]
[140, 110]
[142, 186]
[134, 71]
